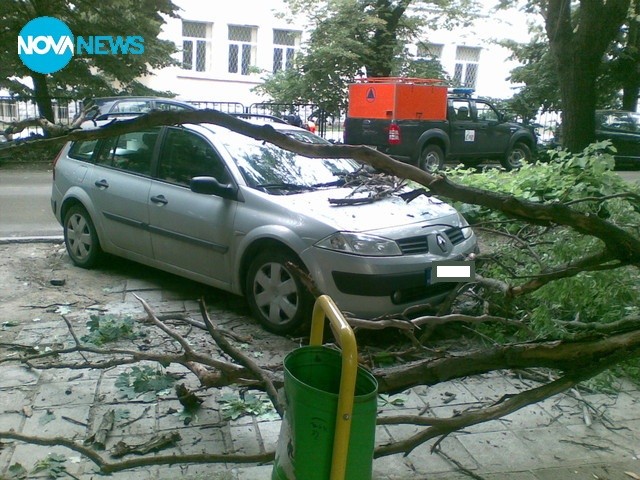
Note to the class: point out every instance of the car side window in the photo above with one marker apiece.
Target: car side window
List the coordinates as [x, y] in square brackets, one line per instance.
[186, 155]
[83, 150]
[132, 106]
[131, 152]
[172, 107]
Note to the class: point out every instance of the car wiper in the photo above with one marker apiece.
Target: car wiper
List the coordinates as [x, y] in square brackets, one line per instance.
[335, 183]
[291, 187]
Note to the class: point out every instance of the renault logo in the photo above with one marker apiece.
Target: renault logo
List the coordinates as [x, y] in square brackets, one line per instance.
[442, 243]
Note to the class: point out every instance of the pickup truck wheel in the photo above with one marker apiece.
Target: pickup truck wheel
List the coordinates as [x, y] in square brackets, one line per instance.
[432, 158]
[516, 156]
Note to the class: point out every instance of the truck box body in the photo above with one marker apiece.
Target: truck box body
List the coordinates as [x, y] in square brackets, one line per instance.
[398, 99]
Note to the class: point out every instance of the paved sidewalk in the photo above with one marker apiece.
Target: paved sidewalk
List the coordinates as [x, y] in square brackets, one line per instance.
[546, 441]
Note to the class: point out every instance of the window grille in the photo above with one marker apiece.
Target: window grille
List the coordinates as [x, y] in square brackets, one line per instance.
[430, 50]
[195, 45]
[61, 112]
[242, 49]
[466, 69]
[285, 43]
[8, 110]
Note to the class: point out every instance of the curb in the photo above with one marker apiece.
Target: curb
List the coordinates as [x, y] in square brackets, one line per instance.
[33, 239]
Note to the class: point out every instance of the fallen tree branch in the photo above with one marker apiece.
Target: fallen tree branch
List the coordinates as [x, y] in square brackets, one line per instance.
[109, 467]
[559, 355]
[443, 427]
[243, 359]
[622, 244]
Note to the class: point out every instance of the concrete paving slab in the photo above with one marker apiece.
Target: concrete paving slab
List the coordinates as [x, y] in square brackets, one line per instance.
[425, 462]
[17, 376]
[597, 472]
[499, 451]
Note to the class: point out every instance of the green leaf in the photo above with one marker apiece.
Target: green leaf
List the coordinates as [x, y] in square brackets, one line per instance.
[48, 416]
[16, 472]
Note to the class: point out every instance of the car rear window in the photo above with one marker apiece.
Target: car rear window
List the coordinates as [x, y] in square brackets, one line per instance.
[83, 150]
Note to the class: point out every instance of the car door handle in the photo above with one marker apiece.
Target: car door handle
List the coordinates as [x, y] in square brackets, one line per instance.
[159, 199]
[101, 183]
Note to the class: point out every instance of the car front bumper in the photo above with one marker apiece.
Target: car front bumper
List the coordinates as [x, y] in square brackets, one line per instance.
[369, 287]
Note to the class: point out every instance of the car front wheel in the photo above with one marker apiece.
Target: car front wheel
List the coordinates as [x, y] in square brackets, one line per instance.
[80, 237]
[276, 296]
[519, 154]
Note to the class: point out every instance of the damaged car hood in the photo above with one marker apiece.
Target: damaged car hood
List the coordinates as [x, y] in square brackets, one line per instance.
[390, 211]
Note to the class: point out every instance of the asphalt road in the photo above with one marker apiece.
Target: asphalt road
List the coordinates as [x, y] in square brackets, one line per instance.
[25, 209]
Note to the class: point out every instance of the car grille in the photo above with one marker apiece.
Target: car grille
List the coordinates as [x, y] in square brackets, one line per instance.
[420, 244]
[455, 235]
[414, 245]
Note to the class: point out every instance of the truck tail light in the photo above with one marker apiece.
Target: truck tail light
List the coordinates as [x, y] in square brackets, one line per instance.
[394, 134]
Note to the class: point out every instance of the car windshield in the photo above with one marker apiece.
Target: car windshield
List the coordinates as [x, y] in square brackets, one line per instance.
[268, 167]
[620, 121]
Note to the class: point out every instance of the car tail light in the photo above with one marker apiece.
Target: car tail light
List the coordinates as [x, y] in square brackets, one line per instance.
[55, 160]
[394, 134]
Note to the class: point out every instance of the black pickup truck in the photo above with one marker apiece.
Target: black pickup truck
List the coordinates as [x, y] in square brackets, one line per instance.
[474, 131]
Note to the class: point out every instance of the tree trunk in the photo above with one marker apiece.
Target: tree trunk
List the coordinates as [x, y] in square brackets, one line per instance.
[631, 85]
[385, 38]
[578, 41]
[42, 98]
[578, 91]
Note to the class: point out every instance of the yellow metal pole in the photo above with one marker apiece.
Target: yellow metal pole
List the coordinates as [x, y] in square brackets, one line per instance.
[325, 307]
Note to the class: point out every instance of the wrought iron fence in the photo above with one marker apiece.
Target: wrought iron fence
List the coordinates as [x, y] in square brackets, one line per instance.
[15, 109]
[306, 115]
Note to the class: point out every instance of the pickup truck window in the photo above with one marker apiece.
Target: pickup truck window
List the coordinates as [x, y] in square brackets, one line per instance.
[462, 109]
[486, 112]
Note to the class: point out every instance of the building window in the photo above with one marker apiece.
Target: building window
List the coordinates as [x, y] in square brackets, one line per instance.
[430, 51]
[466, 70]
[195, 45]
[61, 112]
[8, 109]
[242, 49]
[285, 43]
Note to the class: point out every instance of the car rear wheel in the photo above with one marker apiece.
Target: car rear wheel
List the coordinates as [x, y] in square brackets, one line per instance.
[432, 158]
[80, 237]
[519, 154]
[275, 294]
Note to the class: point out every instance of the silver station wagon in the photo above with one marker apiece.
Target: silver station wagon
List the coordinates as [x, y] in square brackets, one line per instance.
[247, 217]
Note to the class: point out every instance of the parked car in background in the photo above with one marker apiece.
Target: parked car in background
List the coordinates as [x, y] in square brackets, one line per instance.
[246, 216]
[126, 106]
[623, 129]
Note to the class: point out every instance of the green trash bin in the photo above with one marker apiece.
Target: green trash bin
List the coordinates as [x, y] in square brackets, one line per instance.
[312, 383]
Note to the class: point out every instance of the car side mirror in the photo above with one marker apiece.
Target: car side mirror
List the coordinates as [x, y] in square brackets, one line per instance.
[211, 186]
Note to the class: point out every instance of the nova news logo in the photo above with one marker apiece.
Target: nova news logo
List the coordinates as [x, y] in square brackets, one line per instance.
[46, 45]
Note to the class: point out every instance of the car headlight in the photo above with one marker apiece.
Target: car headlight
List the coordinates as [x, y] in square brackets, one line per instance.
[360, 244]
[464, 226]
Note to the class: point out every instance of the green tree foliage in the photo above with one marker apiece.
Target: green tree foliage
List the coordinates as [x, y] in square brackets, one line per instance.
[360, 37]
[593, 297]
[620, 70]
[579, 34]
[86, 76]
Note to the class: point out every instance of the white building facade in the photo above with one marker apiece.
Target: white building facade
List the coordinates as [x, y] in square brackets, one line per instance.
[225, 52]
